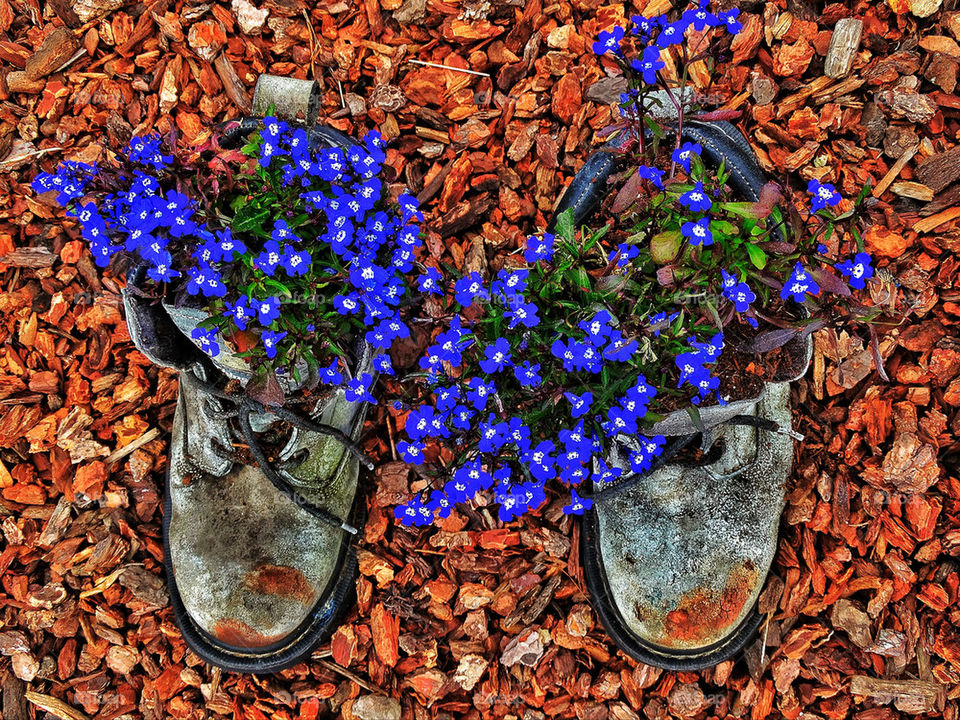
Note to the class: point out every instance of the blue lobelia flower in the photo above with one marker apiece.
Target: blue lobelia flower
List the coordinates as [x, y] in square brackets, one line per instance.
[696, 199]
[411, 452]
[431, 282]
[358, 389]
[671, 34]
[737, 292]
[580, 403]
[539, 248]
[648, 64]
[207, 340]
[578, 505]
[270, 340]
[522, 313]
[161, 269]
[469, 288]
[858, 270]
[700, 18]
[145, 150]
[729, 18]
[654, 175]
[295, 262]
[609, 41]
[528, 375]
[661, 321]
[799, 285]
[698, 233]
[599, 327]
[330, 375]
[824, 194]
[240, 312]
[497, 356]
[382, 364]
[684, 154]
[479, 392]
[269, 258]
[268, 309]
[625, 253]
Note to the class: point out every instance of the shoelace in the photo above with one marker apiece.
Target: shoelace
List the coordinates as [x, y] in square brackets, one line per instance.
[680, 443]
[242, 407]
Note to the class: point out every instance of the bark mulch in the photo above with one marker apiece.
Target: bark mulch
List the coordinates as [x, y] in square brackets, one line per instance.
[476, 619]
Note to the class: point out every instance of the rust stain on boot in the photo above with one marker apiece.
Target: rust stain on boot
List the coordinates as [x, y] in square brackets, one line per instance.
[281, 580]
[240, 635]
[704, 613]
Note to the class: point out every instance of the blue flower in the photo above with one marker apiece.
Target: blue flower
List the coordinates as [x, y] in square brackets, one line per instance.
[598, 328]
[619, 349]
[493, 435]
[858, 270]
[700, 18]
[528, 375]
[413, 513]
[205, 281]
[654, 175]
[609, 41]
[620, 420]
[510, 285]
[146, 151]
[540, 461]
[522, 313]
[440, 503]
[684, 155]
[269, 258]
[581, 403]
[578, 505]
[479, 392]
[431, 282]
[626, 253]
[642, 26]
[240, 311]
[671, 34]
[539, 248]
[270, 340]
[462, 417]
[824, 195]
[650, 449]
[382, 364]
[330, 375]
[648, 64]
[268, 310]
[696, 199]
[295, 262]
[729, 18]
[358, 389]
[603, 473]
[497, 356]
[660, 322]
[346, 304]
[160, 269]
[739, 293]
[698, 233]
[798, 285]
[411, 452]
[207, 340]
[468, 288]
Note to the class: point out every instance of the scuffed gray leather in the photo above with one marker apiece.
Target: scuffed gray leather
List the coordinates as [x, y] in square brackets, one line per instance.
[686, 550]
[228, 531]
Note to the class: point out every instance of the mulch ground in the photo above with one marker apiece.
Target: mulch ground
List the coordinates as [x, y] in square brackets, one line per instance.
[477, 619]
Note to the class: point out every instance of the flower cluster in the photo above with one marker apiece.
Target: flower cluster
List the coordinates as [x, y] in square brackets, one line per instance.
[588, 344]
[306, 251]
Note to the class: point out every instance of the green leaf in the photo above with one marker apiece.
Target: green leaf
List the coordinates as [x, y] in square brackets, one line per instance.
[578, 277]
[757, 256]
[565, 225]
[250, 218]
